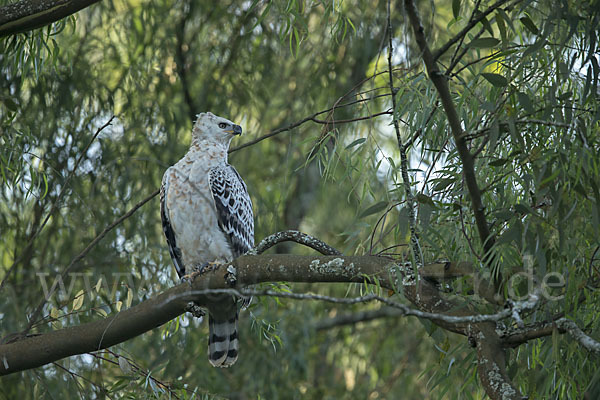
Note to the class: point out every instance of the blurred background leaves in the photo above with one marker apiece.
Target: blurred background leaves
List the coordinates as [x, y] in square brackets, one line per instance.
[525, 81]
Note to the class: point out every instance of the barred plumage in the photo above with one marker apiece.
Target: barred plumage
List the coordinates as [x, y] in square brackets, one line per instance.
[207, 217]
[234, 207]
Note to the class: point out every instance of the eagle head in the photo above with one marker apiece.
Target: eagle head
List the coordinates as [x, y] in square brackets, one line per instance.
[214, 128]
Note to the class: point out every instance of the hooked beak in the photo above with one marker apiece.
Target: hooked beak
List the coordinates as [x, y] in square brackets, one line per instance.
[237, 130]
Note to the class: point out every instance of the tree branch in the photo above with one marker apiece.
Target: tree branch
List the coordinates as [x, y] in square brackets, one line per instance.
[472, 22]
[441, 84]
[294, 236]
[586, 341]
[37, 350]
[491, 358]
[26, 15]
[491, 366]
[40, 349]
[518, 336]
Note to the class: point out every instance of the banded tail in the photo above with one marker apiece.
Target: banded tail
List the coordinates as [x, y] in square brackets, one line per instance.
[223, 344]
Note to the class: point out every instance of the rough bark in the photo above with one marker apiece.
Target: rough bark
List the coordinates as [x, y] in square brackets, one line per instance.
[40, 349]
[26, 15]
[491, 358]
[37, 350]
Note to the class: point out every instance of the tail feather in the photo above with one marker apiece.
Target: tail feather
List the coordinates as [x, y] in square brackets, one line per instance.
[223, 342]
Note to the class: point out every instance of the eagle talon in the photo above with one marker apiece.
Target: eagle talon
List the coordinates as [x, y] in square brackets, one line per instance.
[187, 279]
[213, 265]
[195, 310]
[199, 269]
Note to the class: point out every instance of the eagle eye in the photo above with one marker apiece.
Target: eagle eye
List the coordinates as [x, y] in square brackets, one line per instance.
[222, 125]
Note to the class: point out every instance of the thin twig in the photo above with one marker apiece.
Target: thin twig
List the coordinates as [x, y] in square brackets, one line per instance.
[464, 51]
[54, 205]
[419, 131]
[379, 221]
[467, 28]
[385, 250]
[441, 85]
[436, 158]
[313, 116]
[83, 253]
[454, 58]
[75, 375]
[515, 309]
[467, 65]
[135, 368]
[412, 220]
[302, 121]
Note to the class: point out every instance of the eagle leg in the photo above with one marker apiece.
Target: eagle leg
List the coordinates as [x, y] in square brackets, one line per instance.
[192, 307]
[199, 270]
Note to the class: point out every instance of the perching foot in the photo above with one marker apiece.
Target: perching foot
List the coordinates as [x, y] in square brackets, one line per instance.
[195, 310]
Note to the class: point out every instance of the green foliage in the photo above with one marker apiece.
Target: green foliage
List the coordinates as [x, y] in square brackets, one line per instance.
[525, 82]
